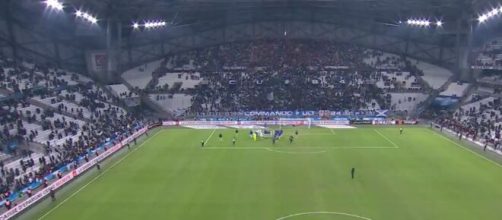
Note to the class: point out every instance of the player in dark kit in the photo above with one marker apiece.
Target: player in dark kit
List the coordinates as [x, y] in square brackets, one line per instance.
[202, 143]
[353, 172]
[236, 131]
[296, 132]
[221, 136]
[291, 139]
[98, 166]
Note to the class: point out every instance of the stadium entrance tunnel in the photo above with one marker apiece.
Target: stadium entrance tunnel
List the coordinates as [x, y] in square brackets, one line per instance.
[323, 216]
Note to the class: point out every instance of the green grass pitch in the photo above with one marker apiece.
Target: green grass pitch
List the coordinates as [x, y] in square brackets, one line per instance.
[418, 175]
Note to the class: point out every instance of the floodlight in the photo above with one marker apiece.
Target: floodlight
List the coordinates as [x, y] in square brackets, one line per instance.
[490, 14]
[54, 4]
[86, 16]
[154, 24]
[418, 22]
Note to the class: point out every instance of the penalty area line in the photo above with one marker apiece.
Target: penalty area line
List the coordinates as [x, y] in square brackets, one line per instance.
[386, 138]
[331, 129]
[295, 152]
[96, 177]
[209, 138]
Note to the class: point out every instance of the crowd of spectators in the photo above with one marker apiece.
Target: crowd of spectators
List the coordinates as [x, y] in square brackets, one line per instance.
[78, 117]
[268, 75]
[490, 55]
[482, 122]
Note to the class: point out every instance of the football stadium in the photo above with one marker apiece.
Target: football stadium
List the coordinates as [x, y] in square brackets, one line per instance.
[246, 109]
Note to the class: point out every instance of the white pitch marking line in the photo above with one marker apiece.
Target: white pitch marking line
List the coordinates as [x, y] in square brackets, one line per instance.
[318, 134]
[325, 213]
[95, 178]
[469, 150]
[312, 147]
[295, 152]
[390, 141]
[208, 138]
[331, 129]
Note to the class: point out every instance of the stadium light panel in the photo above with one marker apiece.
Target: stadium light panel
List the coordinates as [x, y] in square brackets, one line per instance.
[135, 25]
[490, 14]
[439, 23]
[54, 4]
[86, 16]
[78, 13]
[154, 24]
[418, 22]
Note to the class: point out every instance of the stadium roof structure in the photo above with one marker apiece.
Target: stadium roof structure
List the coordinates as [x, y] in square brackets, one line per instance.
[385, 10]
[191, 24]
[378, 8]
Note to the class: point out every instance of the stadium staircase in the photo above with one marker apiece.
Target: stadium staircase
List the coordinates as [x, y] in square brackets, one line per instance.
[45, 106]
[145, 99]
[464, 100]
[433, 95]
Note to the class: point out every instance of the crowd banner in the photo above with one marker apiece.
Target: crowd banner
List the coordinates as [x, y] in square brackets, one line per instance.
[293, 122]
[68, 177]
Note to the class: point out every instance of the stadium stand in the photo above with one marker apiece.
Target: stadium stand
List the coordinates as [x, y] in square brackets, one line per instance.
[490, 56]
[406, 102]
[456, 89]
[140, 76]
[435, 76]
[175, 103]
[265, 74]
[121, 91]
[65, 113]
[479, 119]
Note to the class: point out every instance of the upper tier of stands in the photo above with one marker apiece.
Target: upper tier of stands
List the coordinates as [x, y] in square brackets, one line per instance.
[121, 91]
[435, 76]
[456, 89]
[490, 55]
[140, 76]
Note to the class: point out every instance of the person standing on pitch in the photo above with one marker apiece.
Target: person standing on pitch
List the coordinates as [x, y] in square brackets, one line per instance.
[400, 130]
[53, 195]
[221, 136]
[233, 141]
[202, 143]
[353, 172]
